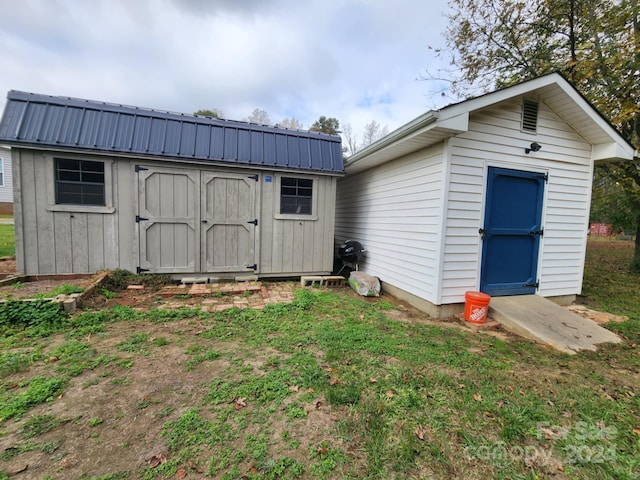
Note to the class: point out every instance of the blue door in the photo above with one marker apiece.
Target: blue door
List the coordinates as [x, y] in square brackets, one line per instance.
[511, 232]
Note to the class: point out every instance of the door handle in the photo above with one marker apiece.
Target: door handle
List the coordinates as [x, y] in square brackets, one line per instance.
[205, 221]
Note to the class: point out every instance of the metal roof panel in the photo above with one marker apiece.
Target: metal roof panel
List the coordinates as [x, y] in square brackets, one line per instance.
[43, 121]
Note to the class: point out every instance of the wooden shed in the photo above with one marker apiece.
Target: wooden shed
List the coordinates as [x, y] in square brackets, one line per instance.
[103, 186]
[491, 194]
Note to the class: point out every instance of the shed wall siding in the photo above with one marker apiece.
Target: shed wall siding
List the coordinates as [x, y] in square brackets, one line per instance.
[495, 139]
[395, 211]
[296, 245]
[49, 241]
[6, 189]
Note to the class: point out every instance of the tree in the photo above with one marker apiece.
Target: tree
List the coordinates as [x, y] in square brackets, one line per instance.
[328, 125]
[373, 132]
[349, 141]
[214, 113]
[594, 43]
[261, 117]
[292, 123]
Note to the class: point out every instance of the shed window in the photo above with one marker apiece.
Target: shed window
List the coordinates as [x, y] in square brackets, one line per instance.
[296, 196]
[79, 182]
[530, 115]
[1, 172]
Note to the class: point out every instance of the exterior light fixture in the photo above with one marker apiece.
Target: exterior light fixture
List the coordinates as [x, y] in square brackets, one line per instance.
[534, 147]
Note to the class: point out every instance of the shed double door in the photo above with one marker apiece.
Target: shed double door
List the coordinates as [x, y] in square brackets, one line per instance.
[196, 221]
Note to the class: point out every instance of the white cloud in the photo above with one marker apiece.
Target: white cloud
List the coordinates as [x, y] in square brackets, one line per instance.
[356, 60]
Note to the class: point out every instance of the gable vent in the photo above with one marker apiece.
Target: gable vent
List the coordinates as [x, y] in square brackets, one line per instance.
[530, 115]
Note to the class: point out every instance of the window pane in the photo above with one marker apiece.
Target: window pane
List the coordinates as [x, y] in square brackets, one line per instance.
[304, 192]
[68, 176]
[289, 182]
[296, 195]
[66, 164]
[92, 166]
[79, 182]
[93, 177]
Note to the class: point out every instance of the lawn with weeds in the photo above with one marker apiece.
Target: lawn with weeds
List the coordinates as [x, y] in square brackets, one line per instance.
[7, 240]
[331, 385]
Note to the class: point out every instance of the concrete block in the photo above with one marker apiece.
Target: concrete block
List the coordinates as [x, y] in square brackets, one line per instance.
[333, 281]
[194, 279]
[311, 281]
[246, 278]
[69, 305]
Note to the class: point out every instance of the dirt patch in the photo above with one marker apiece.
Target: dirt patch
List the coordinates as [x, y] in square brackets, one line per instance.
[24, 288]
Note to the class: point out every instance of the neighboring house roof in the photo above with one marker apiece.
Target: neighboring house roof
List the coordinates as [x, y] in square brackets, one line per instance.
[71, 124]
[436, 125]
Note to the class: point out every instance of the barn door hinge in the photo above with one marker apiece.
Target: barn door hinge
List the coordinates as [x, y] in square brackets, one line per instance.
[140, 219]
[482, 232]
[255, 177]
[544, 176]
[530, 285]
[537, 232]
[141, 270]
[253, 267]
[255, 222]
[138, 168]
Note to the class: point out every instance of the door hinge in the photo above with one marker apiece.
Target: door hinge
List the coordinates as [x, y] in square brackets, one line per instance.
[140, 219]
[140, 270]
[138, 168]
[482, 232]
[253, 267]
[255, 222]
[537, 232]
[530, 285]
[544, 176]
[255, 177]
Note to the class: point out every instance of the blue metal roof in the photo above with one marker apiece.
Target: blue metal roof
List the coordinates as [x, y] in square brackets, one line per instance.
[44, 121]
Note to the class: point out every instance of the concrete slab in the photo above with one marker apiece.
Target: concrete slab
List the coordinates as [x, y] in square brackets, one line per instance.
[543, 321]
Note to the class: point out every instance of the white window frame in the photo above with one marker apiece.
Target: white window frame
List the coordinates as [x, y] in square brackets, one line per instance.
[1, 172]
[52, 206]
[314, 197]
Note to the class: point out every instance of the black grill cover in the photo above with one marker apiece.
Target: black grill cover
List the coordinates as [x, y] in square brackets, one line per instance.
[351, 251]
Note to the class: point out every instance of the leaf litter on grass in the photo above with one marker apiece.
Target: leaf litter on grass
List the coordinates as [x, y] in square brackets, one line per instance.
[259, 386]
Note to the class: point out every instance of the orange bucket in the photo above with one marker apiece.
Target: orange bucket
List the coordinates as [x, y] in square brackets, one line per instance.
[476, 307]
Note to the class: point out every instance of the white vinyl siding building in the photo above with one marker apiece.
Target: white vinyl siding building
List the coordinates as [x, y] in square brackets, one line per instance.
[6, 175]
[417, 199]
[397, 200]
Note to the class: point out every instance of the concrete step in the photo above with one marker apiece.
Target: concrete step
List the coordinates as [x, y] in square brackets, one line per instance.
[541, 320]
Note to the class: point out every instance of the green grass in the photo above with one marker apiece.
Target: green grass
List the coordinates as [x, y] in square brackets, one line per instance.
[7, 240]
[331, 386]
[610, 285]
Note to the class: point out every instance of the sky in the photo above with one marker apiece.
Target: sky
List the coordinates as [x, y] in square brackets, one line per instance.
[355, 60]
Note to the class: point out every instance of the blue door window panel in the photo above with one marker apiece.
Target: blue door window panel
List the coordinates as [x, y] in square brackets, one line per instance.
[512, 231]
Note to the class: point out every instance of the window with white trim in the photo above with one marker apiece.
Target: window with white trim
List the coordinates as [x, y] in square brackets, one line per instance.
[296, 196]
[79, 182]
[1, 172]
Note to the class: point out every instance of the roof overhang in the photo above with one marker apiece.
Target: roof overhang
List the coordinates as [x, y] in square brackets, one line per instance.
[436, 126]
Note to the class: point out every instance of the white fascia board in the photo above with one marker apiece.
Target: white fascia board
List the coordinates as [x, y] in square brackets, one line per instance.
[417, 125]
[507, 93]
[612, 151]
[456, 124]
